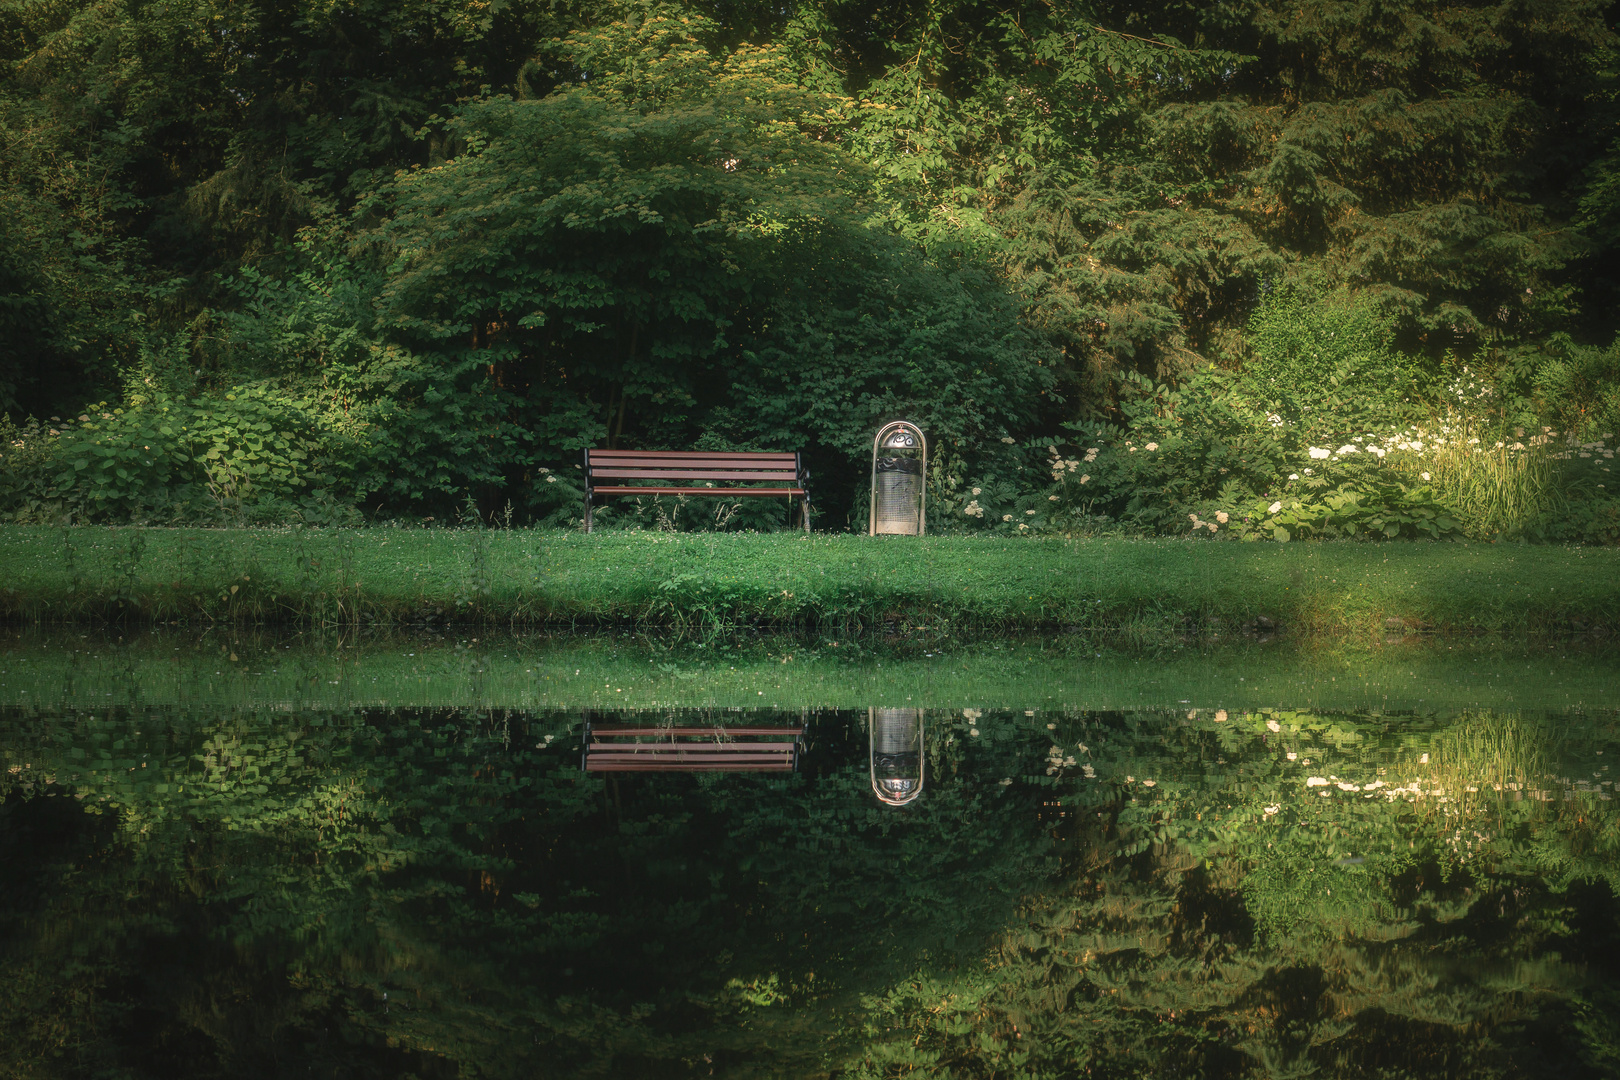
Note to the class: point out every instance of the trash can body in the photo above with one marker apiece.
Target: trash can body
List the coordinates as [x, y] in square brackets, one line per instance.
[897, 496]
[899, 474]
[896, 743]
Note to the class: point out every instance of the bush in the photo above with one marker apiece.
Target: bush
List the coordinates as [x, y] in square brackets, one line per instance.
[247, 456]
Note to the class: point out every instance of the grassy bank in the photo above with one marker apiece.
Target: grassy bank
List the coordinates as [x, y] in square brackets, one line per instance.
[701, 581]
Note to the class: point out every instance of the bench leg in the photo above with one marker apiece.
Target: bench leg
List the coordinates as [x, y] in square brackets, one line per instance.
[587, 511]
[804, 512]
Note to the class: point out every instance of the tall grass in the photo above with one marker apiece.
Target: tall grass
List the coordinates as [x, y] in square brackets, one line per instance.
[1502, 481]
[1498, 485]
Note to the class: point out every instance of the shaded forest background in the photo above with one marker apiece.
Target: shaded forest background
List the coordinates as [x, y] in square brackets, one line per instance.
[326, 262]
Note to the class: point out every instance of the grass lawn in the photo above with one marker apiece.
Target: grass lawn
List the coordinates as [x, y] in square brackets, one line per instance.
[698, 581]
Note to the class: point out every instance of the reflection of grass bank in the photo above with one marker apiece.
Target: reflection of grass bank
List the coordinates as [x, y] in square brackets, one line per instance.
[246, 670]
[703, 581]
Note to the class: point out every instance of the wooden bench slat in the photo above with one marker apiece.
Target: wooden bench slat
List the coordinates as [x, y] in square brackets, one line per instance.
[669, 455]
[694, 474]
[687, 755]
[726, 492]
[691, 463]
[681, 753]
[685, 766]
[706, 745]
[713, 750]
[783, 731]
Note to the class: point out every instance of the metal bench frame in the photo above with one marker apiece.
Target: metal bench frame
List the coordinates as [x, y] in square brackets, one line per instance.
[784, 472]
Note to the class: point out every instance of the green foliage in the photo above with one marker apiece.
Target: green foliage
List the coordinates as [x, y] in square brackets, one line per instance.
[673, 255]
[1577, 387]
[1209, 892]
[244, 456]
[470, 239]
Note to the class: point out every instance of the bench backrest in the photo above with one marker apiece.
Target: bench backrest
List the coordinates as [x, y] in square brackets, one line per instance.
[693, 465]
[628, 749]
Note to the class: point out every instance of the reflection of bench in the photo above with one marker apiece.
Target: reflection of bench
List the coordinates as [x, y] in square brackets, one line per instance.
[783, 475]
[687, 749]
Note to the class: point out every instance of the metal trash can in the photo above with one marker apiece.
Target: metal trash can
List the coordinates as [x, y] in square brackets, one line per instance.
[895, 741]
[899, 473]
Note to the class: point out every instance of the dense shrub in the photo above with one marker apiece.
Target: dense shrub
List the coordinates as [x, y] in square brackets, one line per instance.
[1325, 432]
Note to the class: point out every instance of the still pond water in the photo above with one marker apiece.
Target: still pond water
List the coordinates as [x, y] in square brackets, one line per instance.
[316, 858]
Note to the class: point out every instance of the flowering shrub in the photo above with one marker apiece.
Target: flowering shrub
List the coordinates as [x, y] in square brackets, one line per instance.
[1327, 433]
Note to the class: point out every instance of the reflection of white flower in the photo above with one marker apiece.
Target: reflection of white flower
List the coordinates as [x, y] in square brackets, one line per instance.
[1220, 716]
[1152, 446]
[1292, 756]
[1293, 476]
[1316, 781]
[1222, 516]
[1007, 439]
[1272, 725]
[1274, 507]
[1424, 475]
[1272, 809]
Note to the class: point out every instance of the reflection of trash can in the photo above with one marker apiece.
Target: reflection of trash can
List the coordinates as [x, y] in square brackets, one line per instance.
[899, 468]
[895, 737]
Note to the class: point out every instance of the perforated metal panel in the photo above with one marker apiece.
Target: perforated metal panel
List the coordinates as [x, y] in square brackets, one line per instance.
[896, 737]
[897, 496]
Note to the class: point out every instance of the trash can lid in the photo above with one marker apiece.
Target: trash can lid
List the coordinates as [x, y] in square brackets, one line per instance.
[900, 439]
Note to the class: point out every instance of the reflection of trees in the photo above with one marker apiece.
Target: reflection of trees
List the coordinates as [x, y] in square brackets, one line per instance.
[278, 892]
[1441, 931]
[439, 894]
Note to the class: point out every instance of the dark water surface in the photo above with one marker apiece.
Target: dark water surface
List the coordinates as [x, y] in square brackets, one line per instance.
[318, 858]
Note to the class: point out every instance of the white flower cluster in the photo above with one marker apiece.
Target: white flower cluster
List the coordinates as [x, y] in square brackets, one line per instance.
[973, 509]
[1060, 466]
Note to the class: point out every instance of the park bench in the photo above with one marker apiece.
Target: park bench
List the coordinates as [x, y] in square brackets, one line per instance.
[673, 473]
[691, 749]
